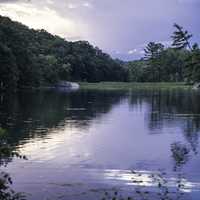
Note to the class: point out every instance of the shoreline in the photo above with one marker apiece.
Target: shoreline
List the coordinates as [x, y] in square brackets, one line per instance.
[112, 86]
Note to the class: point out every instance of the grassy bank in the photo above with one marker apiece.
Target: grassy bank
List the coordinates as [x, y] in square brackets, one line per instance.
[124, 85]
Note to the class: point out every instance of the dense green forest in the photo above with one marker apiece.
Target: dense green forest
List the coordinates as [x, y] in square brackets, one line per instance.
[179, 62]
[32, 58]
[169, 65]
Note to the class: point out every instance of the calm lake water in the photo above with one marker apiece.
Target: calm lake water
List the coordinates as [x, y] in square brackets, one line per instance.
[81, 143]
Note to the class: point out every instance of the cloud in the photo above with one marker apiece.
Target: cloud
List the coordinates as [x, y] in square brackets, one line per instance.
[133, 51]
[13, 1]
[72, 6]
[79, 5]
[87, 5]
[44, 18]
[139, 51]
[50, 2]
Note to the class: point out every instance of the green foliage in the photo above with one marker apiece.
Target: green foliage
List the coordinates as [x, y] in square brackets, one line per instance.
[137, 71]
[34, 58]
[30, 58]
[153, 50]
[2, 132]
[8, 68]
[6, 193]
[153, 53]
[178, 63]
[173, 65]
[168, 66]
[192, 61]
[193, 65]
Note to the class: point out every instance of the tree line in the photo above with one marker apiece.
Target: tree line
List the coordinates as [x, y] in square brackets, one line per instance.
[33, 58]
[179, 62]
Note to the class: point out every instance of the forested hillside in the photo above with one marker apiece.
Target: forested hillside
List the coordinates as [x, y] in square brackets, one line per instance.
[31, 58]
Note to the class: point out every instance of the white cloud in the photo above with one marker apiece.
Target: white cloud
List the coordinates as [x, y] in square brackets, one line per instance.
[72, 6]
[50, 2]
[116, 52]
[79, 5]
[87, 5]
[133, 51]
[43, 18]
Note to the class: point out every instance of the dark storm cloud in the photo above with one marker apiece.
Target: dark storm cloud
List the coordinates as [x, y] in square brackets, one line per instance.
[122, 28]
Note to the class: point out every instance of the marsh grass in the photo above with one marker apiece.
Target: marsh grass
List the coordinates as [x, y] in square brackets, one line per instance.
[132, 85]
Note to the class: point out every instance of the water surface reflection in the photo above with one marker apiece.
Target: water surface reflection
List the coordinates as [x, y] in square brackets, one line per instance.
[98, 137]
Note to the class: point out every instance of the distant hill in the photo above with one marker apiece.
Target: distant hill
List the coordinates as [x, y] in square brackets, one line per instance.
[33, 58]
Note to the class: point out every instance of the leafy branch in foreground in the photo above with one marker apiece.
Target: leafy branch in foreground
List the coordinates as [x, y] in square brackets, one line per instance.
[6, 154]
[6, 193]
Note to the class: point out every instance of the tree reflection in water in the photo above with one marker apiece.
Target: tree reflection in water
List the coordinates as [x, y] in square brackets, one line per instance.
[180, 154]
[34, 114]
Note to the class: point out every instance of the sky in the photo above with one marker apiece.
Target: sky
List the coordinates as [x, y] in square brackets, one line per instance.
[121, 28]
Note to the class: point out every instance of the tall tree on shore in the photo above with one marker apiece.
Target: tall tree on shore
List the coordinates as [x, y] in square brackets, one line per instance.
[153, 52]
[181, 38]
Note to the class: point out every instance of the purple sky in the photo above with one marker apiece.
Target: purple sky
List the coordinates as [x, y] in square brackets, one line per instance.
[121, 28]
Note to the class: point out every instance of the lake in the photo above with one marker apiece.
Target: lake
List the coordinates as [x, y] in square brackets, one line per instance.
[81, 143]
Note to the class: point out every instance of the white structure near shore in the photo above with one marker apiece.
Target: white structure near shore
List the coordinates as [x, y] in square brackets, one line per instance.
[196, 86]
[67, 85]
